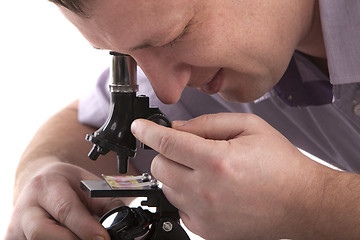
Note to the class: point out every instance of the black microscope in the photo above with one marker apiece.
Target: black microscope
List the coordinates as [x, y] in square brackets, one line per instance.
[115, 135]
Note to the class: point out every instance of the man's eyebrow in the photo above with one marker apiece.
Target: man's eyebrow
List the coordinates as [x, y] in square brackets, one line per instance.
[76, 6]
[149, 43]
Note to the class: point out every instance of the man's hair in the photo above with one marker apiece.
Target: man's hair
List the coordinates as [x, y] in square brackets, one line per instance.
[75, 6]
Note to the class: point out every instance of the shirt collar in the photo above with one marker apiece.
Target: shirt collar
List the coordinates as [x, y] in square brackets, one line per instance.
[340, 21]
[303, 84]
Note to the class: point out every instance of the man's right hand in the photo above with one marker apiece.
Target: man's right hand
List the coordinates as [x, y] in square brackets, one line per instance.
[51, 205]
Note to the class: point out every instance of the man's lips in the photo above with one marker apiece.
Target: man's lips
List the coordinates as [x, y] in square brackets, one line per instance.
[214, 85]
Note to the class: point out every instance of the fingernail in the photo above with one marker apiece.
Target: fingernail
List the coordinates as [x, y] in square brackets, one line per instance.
[99, 238]
[133, 127]
[175, 124]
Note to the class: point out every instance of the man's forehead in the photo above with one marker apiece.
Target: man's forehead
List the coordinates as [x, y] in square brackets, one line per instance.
[123, 25]
[135, 17]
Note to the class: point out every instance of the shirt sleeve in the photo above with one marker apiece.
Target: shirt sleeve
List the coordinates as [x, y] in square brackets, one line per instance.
[94, 107]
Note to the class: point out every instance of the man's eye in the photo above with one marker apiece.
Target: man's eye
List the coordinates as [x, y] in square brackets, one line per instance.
[171, 44]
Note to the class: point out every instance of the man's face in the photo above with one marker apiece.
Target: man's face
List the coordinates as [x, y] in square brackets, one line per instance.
[239, 49]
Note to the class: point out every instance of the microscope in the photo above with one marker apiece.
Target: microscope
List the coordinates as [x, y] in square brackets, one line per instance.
[125, 106]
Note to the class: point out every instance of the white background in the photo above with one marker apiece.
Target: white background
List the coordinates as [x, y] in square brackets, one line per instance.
[44, 65]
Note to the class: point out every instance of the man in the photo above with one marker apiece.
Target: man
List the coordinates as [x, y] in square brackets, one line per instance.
[231, 175]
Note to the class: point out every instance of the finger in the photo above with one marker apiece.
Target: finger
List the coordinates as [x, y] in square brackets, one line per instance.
[65, 206]
[191, 224]
[15, 230]
[175, 197]
[182, 147]
[222, 126]
[181, 201]
[96, 206]
[171, 173]
[36, 224]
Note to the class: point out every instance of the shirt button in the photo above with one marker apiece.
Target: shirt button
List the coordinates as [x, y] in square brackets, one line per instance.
[357, 109]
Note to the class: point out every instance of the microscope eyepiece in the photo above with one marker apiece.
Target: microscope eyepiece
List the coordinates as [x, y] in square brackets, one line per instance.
[123, 73]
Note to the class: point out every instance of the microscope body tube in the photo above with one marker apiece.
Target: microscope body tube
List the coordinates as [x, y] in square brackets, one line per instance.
[125, 107]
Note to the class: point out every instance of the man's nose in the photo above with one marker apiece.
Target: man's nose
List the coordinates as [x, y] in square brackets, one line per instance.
[168, 76]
